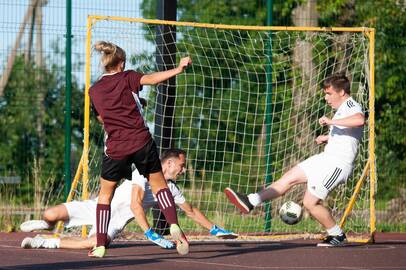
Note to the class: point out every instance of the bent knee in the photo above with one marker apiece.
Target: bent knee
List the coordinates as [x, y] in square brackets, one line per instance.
[50, 215]
[310, 204]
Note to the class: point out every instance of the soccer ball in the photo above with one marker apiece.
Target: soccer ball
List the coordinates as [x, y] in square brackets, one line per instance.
[290, 213]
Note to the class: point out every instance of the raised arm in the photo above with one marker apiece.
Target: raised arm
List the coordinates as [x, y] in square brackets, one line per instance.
[355, 120]
[157, 77]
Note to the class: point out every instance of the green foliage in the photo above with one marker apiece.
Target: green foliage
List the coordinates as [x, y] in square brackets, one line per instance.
[32, 124]
[389, 20]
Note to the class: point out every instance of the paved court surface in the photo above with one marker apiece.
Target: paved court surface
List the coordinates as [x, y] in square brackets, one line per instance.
[388, 253]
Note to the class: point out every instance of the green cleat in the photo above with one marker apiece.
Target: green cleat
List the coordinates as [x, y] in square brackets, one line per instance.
[182, 245]
[97, 252]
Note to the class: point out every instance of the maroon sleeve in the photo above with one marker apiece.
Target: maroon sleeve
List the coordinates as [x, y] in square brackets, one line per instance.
[134, 80]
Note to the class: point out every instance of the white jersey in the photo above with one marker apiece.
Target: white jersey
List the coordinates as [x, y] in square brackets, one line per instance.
[149, 197]
[84, 212]
[343, 141]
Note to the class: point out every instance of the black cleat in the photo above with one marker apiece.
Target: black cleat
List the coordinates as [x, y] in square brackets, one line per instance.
[239, 200]
[333, 241]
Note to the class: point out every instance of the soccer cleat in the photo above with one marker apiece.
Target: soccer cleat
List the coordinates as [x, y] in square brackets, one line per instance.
[182, 245]
[333, 241]
[33, 225]
[36, 242]
[222, 233]
[158, 239]
[239, 200]
[97, 252]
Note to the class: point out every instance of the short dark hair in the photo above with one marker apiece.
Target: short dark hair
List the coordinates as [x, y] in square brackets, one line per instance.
[171, 153]
[339, 82]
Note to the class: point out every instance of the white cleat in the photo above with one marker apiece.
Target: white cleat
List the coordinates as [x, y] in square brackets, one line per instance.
[36, 242]
[33, 225]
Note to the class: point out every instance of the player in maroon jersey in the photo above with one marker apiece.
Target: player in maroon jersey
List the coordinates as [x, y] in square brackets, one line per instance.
[128, 141]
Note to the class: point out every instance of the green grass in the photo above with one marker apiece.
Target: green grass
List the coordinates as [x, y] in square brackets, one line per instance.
[385, 227]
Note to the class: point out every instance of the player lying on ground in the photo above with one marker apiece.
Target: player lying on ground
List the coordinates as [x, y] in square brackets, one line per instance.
[322, 172]
[137, 193]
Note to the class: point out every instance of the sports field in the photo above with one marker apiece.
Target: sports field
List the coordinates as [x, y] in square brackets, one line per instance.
[387, 253]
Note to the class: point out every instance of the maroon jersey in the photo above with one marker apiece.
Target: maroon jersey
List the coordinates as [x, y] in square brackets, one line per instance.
[112, 98]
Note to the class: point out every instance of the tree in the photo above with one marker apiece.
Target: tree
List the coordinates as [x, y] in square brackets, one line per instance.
[19, 111]
[226, 134]
[389, 19]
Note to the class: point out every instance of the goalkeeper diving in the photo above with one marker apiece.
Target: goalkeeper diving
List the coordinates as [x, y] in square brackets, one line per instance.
[131, 200]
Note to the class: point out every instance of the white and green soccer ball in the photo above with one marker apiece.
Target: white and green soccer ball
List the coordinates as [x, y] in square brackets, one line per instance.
[290, 212]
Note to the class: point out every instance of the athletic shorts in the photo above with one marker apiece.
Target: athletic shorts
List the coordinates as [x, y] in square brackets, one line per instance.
[324, 174]
[84, 213]
[146, 160]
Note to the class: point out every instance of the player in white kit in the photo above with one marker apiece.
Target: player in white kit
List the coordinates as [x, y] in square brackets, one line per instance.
[131, 199]
[322, 172]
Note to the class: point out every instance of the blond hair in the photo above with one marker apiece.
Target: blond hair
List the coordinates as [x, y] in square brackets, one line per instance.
[112, 55]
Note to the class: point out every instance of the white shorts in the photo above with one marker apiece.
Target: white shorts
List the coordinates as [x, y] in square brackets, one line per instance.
[324, 174]
[84, 213]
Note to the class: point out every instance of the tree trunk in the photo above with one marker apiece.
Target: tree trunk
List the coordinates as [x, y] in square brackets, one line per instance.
[306, 83]
[303, 85]
[12, 56]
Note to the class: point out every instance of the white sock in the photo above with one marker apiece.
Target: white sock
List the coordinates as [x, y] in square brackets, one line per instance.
[254, 199]
[336, 230]
[52, 243]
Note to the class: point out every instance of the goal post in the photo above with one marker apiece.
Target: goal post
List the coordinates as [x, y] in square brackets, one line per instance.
[237, 133]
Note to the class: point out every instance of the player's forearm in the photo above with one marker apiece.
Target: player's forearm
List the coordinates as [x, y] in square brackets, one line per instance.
[356, 120]
[157, 77]
[100, 119]
[199, 218]
[139, 216]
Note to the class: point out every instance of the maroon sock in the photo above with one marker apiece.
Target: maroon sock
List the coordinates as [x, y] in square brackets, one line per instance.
[102, 223]
[167, 205]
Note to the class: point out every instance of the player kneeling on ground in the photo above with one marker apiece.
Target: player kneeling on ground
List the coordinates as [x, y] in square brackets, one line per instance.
[131, 200]
[322, 172]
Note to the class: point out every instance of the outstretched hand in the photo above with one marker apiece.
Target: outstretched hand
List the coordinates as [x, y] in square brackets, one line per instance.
[324, 121]
[322, 139]
[184, 62]
[158, 239]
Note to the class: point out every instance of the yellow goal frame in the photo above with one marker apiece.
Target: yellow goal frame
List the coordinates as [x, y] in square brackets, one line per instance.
[369, 169]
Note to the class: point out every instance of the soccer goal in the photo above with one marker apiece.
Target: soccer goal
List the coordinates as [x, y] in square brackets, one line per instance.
[245, 111]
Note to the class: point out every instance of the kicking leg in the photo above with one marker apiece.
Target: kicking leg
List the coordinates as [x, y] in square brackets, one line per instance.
[247, 202]
[291, 178]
